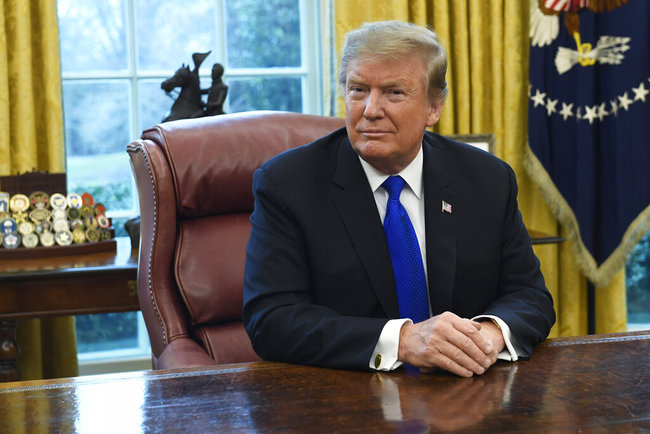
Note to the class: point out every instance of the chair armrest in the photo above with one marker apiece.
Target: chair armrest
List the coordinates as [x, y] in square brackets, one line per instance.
[184, 353]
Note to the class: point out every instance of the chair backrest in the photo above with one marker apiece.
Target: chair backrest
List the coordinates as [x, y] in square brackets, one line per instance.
[194, 179]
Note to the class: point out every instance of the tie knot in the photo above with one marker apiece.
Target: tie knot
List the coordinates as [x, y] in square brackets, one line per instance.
[394, 186]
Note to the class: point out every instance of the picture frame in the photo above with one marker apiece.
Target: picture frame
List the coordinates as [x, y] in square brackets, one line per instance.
[481, 141]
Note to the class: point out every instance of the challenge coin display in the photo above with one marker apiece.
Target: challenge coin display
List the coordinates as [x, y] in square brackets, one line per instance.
[43, 220]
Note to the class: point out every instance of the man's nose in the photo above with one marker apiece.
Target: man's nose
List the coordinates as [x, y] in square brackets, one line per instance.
[374, 105]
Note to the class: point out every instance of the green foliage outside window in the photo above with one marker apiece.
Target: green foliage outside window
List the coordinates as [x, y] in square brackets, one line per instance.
[108, 331]
[637, 274]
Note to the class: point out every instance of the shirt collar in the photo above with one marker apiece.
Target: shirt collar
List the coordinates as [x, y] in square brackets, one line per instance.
[412, 174]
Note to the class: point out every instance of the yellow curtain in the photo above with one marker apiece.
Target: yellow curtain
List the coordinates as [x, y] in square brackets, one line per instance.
[487, 44]
[31, 121]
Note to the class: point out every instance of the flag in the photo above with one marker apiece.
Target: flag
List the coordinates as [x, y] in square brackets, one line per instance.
[589, 124]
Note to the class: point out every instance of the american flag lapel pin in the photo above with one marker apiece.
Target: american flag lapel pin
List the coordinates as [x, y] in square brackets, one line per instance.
[446, 207]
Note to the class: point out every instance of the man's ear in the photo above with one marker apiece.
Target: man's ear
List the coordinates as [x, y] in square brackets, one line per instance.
[434, 113]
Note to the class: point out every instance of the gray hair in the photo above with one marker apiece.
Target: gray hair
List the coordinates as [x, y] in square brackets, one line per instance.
[388, 39]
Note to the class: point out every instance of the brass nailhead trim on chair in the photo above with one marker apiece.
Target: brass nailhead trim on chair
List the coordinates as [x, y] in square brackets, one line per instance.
[140, 148]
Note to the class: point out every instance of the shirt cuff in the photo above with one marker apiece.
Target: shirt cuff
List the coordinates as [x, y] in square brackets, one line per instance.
[510, 352]
[384, 357]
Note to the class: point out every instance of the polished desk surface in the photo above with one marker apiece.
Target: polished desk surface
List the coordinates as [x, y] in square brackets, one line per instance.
[595, 383]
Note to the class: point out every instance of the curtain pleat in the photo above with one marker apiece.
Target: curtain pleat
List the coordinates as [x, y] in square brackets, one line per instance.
[31, 120]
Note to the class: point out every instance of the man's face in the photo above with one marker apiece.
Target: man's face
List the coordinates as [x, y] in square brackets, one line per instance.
[387, 110]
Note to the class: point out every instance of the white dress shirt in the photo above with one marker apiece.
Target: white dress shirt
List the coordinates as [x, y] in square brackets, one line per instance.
[412, 198]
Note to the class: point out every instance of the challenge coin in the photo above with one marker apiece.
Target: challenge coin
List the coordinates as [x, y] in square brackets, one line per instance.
[25, 228]
[74, 213]
[8, 226]
[63, 238]
[87, 210]
[39, 199]
[58, 201]
[88, 199]
[59, 214]
[90, 222]
[60, 225]
[19, 202]
[47, 239]
[104, 234]
[92, 235]
[4, 201]
[30, 240]
[74, 200]
[20, 216]
[100, 209]
[45, 225]
[76, 224]
[11, 240]
[103, 221]
[40, 214]
[78, 236]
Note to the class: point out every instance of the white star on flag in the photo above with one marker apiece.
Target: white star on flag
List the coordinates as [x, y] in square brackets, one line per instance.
[640, 92]
[539, 98]
[624, 101]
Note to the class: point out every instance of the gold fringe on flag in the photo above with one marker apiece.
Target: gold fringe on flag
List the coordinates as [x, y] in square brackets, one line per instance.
[599, 275]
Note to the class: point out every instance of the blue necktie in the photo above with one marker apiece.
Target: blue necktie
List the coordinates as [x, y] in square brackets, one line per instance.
[405, 255]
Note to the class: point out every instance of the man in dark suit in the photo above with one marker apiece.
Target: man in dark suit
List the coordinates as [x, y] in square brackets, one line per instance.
[323, 283]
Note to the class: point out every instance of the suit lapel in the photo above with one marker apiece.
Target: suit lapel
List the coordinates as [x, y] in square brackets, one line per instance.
[440, 227]
[355, 203]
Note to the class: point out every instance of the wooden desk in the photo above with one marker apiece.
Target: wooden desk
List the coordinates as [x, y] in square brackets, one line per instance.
[596, 383]
[63, 285]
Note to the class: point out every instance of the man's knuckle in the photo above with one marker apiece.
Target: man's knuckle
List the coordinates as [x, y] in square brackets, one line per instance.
[457, 354]
[466, 342]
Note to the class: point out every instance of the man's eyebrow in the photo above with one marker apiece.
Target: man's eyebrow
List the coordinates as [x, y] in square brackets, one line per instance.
[386, 85]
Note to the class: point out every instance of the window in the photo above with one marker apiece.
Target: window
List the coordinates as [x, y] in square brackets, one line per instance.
[637, 280]
[114, 56]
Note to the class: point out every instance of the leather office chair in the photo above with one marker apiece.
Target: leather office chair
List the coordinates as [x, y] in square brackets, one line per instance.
[194, 180]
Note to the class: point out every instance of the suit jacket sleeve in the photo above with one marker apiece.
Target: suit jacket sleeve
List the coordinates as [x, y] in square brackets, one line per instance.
[523, 301]
[286, 310]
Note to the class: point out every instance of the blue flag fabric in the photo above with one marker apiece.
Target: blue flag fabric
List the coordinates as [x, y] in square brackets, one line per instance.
[589, 125]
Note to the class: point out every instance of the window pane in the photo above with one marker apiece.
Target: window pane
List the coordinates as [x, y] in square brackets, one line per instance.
[97, 132]
[96, 116]
[92, 35]
[107, 177]
[154, 102]
[637, 272]
[265, 94]
[172, 30]
[108, 331]
[263, 34]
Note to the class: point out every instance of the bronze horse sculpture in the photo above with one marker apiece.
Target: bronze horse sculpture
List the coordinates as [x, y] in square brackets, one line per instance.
[188, 103]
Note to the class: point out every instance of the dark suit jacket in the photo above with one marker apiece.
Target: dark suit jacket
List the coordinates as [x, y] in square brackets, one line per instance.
[319, 284]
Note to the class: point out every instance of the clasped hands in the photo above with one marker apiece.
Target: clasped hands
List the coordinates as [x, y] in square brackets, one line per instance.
[447, 341]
